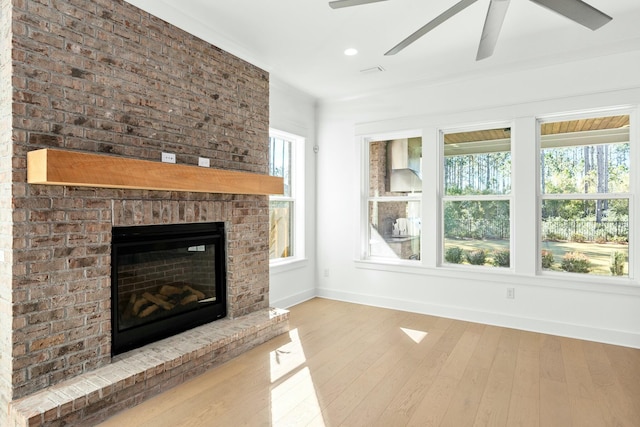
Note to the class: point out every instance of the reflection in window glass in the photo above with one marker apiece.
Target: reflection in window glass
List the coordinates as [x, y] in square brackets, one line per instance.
[584, 169]
[395, 229]
[395, 186]
[395, 167]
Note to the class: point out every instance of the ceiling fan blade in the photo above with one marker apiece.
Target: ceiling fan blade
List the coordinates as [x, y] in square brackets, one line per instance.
[578, 11]
[348, 3]
[492, 25]
[458, 7]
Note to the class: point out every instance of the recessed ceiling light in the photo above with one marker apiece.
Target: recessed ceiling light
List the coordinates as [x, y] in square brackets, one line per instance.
[351, 51]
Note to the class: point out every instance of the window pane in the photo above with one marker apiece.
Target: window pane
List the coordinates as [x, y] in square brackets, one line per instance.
[395, 167]
[281, 229]
[395, 229]
[586, 236]
[477, 232]
[280, 161]
[477, 162]
[585, 156]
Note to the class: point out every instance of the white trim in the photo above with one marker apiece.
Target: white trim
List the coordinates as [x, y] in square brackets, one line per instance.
[477, 197]
[282, 265]
[615, 337]
[294, 299]
[585, 196]
[634, 200]
[556, 280]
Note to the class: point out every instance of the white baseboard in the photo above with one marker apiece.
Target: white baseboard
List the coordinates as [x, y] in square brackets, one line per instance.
[292, 300]
[607, 336]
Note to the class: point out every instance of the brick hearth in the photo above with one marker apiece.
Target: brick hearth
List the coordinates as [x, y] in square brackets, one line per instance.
[102, 76]
[143, 373]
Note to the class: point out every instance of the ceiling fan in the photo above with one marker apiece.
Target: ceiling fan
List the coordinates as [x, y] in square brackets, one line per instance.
[576, 10]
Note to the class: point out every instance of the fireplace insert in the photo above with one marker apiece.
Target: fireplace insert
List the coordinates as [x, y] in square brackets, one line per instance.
[165, 279]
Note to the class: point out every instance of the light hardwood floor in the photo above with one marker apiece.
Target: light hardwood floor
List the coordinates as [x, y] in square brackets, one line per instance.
[352, 365]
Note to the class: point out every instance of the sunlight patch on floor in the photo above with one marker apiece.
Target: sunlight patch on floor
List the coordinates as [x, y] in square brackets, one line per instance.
[294, 402]
[293, 395]
[287, 358]
[416, 336]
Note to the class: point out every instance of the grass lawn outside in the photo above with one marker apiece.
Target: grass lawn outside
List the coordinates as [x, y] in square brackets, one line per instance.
[598, 253]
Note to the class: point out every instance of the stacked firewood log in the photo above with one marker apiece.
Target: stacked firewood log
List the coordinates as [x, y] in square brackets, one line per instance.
[166, 298]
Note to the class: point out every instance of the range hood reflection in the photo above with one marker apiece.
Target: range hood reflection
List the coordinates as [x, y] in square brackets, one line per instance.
[405, 166]
[405, 181]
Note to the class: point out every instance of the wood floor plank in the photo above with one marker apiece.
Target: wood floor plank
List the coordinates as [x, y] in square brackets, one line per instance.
[586, 412]
[493, 410]
[360, 380]
[400, 371]
[403, 404]
[578, 376]
[464, 405]
[352, 365]
[460, 355]
[526, 379]
[555, 405]
[615, 403]
[625, 363]
[551, 362]
[433, 406]
[524, 411]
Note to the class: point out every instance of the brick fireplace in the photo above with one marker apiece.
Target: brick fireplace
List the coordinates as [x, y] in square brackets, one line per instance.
[101, 76]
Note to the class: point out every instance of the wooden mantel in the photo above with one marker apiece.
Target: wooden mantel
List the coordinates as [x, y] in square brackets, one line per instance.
[60, 167]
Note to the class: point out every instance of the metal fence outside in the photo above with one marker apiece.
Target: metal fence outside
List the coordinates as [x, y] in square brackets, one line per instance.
[477, 229]
[554, 229]
[569, 229]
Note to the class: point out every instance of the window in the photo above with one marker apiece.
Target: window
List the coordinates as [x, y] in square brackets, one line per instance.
[286, 160]
[476, 197]
[394, 199]
[584, 206]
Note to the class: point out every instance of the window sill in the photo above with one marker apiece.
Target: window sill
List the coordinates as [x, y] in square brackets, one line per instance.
[602, 284]
[284, 265]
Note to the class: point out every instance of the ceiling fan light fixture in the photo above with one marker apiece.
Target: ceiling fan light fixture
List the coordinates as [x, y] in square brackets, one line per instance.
[351, 51]
[576, 10]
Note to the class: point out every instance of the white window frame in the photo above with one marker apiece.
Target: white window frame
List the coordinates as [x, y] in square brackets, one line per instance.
[489, 197]
[297, 196]
[633, 153]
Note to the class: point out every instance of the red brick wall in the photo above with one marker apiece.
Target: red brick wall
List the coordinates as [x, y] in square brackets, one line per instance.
[102, 76]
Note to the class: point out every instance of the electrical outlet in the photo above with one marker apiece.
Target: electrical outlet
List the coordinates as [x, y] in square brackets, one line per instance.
[511, 293]
[204, 162]
[326, 272]
[168, 157]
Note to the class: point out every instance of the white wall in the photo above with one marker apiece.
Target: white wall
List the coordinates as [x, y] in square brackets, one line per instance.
[293, 111]
[599, 309]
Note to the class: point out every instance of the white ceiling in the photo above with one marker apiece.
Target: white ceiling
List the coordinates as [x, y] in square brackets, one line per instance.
[301, 42]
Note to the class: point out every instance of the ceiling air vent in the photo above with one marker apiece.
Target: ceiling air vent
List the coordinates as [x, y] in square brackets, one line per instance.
[372, 70]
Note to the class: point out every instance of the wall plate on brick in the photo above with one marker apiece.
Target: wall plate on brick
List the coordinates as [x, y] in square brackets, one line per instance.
[168, 157]
[204, 162]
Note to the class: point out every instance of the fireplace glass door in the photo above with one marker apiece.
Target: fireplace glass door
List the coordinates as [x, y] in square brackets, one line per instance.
[165, 279]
